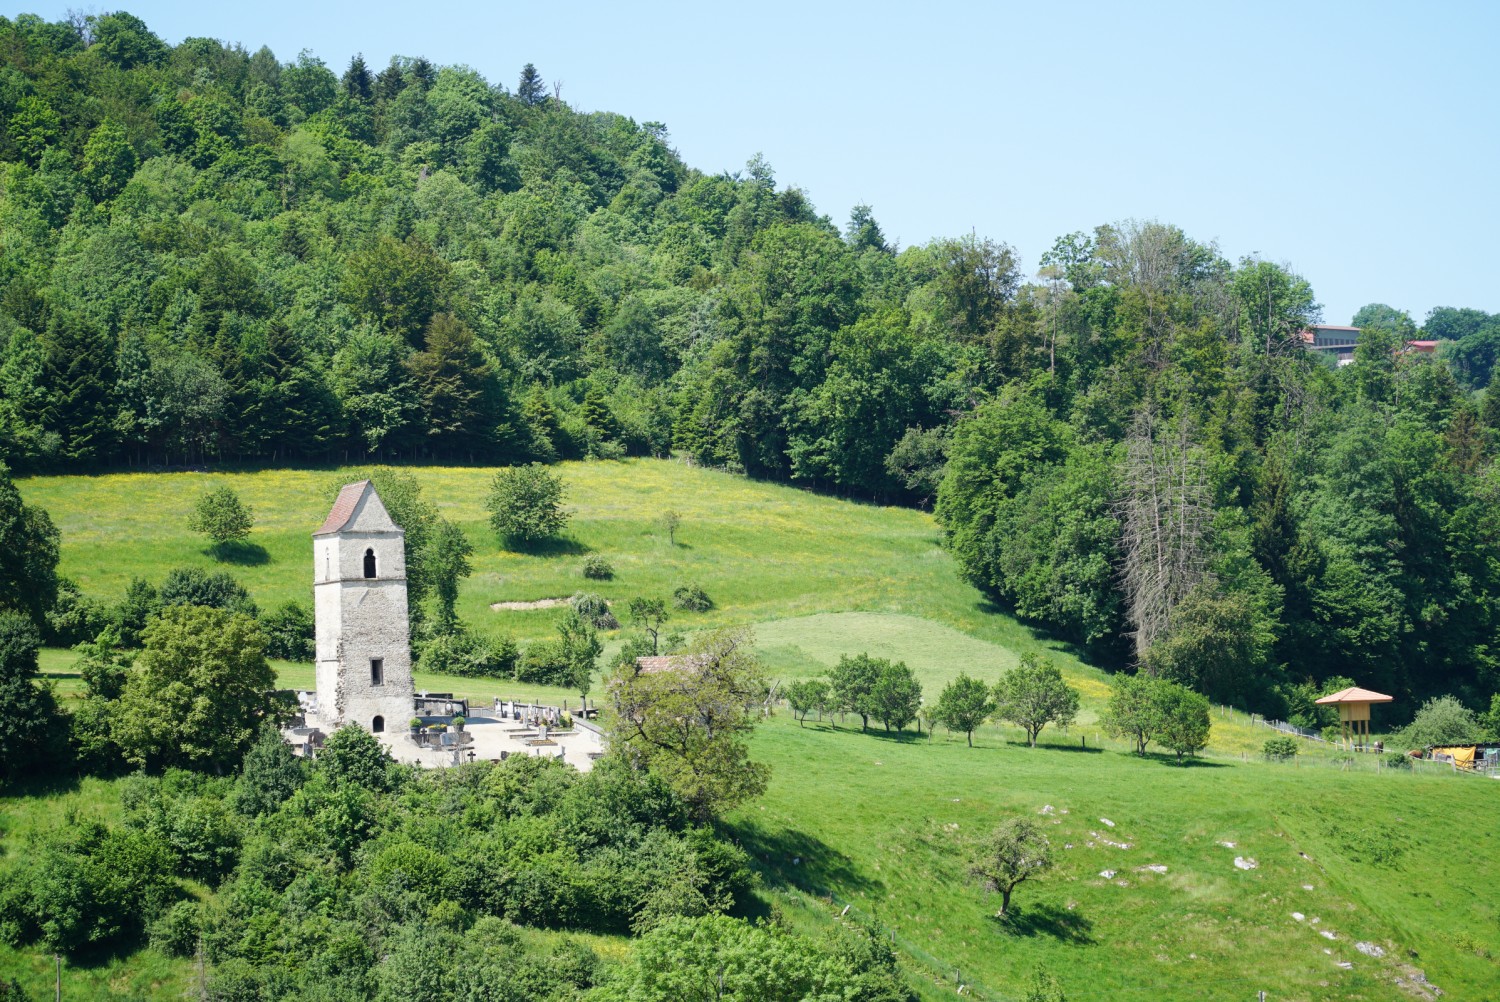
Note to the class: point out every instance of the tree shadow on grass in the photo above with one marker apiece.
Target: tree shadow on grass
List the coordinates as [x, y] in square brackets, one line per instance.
[51, 785]
[240, 553]
[561, 546]
[1044, 745]
[795, 859]
[1046, 920]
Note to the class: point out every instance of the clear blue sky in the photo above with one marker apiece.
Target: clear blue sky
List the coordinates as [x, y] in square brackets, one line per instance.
[1355, 141]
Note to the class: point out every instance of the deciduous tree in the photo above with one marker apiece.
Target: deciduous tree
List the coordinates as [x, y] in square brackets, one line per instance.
[1033, 695]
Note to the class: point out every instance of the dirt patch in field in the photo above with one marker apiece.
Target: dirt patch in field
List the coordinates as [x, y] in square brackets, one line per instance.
[541, 603]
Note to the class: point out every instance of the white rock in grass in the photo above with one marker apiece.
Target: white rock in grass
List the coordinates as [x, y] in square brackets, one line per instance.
[1107, 874]
[1228, 845]
[1346, 965]
[1307, 887]
[1369, 949]
[1046, 809]
[1245, 863]
[1153, 867]
[1107, 822]
[1328, 934]
[1298, 916]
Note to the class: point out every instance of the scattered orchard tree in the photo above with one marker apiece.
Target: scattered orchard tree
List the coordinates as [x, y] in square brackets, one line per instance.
[1133, 711]
[222, 517]
[649, 615]
[896, 697]
[1013, 853]
[806, 695]
[964, 704]
[690, 726]
[1185, 718]
[852, 682]
[1033, 695]
[670, 521]
[525, 504]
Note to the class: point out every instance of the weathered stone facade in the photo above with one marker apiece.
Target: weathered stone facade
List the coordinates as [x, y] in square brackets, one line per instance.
[359, 591]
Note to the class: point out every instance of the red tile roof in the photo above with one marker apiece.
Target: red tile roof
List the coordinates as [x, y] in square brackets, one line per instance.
[343, 508]
[668, 662]
[1355, 694]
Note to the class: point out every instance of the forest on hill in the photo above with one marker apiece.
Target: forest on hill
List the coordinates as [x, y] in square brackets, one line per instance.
[213, 255]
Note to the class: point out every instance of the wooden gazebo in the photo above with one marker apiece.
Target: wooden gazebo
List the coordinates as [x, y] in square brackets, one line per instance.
[1354, 712]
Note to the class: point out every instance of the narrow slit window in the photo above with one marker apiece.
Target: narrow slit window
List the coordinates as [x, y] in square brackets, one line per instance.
[377, 725]
[369, 563]
[377, 671]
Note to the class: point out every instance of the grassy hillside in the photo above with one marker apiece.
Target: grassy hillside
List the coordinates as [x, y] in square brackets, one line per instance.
[880, 823]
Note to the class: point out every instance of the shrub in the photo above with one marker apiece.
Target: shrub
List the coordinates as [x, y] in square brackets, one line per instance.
[73, 619]
[175, 933]
[1441, 721]
[692, 598]
[1280, 749]
[545, 663]
[1398, 760]
[594, 610]
[289, 632]
[469, 655]
[596, 568]
[195, 586]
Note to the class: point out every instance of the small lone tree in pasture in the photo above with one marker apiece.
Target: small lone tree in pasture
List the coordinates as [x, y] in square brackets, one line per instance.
[670, 521]
[965, 703]
[1185, 718]
[853, 681]
[525, 504]
[1132, 711]
[1033, 695]
[222, 517]
[649, 615]
[1013, 853]
[446, 558]
[580, 649]
[806, 695]
[896, 697]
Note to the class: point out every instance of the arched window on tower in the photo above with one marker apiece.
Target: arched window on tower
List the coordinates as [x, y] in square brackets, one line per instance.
[369, 563]
[377, 725]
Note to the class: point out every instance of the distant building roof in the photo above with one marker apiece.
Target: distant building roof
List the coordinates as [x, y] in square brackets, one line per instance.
[1422, 345]
[1355, 694]
[669, 662]
[343, 508]
[1335, 327]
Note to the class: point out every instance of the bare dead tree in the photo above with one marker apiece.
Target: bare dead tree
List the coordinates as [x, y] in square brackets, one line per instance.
[1165, 513]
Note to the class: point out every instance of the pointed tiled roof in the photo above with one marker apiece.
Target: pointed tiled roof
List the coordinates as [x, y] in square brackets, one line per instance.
[1355, 694]
[343, 508]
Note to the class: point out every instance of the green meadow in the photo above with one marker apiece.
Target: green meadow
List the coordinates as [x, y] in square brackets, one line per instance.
[1404, 862]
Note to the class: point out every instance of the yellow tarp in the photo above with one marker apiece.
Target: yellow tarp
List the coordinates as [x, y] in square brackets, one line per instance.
[1461, 756]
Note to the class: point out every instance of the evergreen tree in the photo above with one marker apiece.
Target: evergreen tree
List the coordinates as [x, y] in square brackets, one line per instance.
[458, 389]
[357, 82]
[531, 90]
[80, 377]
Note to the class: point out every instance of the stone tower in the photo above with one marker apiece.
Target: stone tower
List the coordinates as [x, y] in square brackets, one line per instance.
[359, 590]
